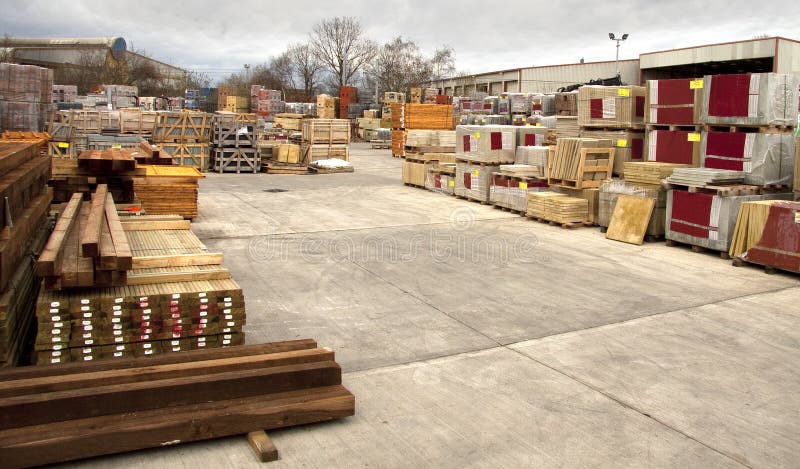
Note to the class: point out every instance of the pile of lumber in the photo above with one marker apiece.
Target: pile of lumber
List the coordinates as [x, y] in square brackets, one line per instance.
[581, 162]
[422, 116]
[82, 410]
[167, 190]
[105, 161]
[24, 206]
[88, 246]
[705, 177]
[649, 173]
[557, 207]
[115, 168]
[148, 153]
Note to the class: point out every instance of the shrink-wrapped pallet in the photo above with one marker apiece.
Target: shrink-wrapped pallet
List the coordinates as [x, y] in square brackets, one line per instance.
[473, 180]
[611, 106]
[512, 192]
[628, 145]
[535, 156]
[674, 102]
[491, 144]
[566, 104]
[750, 99]
[674, 146]
[766, 159]
[532, 135]
[440, 182]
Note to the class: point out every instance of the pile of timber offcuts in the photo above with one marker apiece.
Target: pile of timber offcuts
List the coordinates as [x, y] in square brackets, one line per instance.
[82, 410]
[168, 292]
[24, 206]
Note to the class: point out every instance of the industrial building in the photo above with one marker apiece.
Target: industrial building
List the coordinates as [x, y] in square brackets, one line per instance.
[774, 54]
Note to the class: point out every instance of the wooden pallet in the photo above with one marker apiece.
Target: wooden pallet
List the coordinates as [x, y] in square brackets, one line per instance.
[381, 144]
[592, 162]
[673, 243]
[286, 168]
[765, 129]
[236, 160]
[675, 127]
[722, 191]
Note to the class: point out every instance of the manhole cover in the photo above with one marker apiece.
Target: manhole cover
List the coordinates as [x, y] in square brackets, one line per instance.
[276, 190]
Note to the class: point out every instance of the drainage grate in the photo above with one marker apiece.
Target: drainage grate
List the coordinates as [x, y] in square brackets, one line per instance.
[276, 190]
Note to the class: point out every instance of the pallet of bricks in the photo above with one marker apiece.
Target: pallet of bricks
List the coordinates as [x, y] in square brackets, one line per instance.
[25, 97]
[746, 153]
[25, 200]
[324, 139]
[135, 286]
[235, 143]
[74, 411]
[185, 136]
[511, 185]
[426, 129]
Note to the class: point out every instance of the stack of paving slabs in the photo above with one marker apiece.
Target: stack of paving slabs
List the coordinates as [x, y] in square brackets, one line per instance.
[114, 168]
[165, 190]
[473, 180]
[176, 295]
[24, 206]
[750, 224]
[612, 189]
[674, 146]
[580, 163]
[536, 156]
[235, 148]
[441, 178]
[611, 106]
[88, 246]
[765, 158]
[82, 410]
[430, 141]
[556, 207]
[494, 144]
[185, 136]
[510, 188]
[323, 139]
[567, 126]
[755, 99]
[531, 135]
[566, 103]
[705, 177]
[674, 102]
[649, 173]
[777, 245]
[628, 145]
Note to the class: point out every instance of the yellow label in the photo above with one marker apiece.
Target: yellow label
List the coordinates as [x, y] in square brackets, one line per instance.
[476, 172]
[63, 145]
[451, 183]
[693, 137]
[696, 84]
[523, 185]
[622, 143]
[477, 134]
[623, 92]
[116, 147]
[538, 124]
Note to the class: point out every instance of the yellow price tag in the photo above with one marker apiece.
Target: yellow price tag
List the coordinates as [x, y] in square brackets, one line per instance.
[63, 145]
[476, 172]
[477, 134]
[693, 137]
[696, 84]
[622, 142]
[624, 92]
[523, 185]
[538, 124]
[451, 183]
[116, 147]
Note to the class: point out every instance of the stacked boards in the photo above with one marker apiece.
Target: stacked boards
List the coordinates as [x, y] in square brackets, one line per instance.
[168, 189]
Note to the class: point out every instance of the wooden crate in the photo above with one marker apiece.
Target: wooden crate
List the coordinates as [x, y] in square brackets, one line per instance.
[326, 131]
[236, 160]
[182, 127]
[136, 121]
[196, 155]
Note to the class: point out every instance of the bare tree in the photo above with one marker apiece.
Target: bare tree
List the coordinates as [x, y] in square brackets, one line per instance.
[339, 44]
[400, 65]
[443, 63]
[307, 67]
[6, 52]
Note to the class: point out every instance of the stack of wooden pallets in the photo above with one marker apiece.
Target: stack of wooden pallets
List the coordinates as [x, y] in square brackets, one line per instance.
[24, 206]
[81, 410]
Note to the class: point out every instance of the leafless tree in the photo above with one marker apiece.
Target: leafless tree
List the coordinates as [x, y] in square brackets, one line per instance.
[306, 66]
[339, 44]
[399, 65]
[6, 52]
[443, 63]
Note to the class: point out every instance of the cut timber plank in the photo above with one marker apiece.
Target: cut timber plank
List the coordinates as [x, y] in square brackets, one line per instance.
[180, 260]
[148, 225]
[262, 445]
[90, 237]
[177, 274]
[66, 441]
[52, 253]
[630, 219]
[49, 384]
[59, 406]
[124, 256]
[178, 357]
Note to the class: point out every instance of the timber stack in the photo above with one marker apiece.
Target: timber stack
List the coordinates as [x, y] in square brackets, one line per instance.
[81, 410]
[25, 200]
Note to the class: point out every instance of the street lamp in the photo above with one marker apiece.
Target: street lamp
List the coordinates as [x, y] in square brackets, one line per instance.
[613, 38]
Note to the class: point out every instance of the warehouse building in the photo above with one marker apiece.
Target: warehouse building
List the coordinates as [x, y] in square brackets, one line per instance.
[774, 54]
[66, 54]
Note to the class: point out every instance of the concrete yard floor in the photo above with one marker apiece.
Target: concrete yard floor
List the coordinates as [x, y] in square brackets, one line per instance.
[472, 337]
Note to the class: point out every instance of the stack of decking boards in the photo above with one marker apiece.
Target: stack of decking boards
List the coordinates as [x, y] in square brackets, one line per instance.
[82, 410]
[24, 206]
[235, 144]
[141, 285]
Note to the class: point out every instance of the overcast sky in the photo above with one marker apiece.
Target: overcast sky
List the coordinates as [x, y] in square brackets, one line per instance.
[220, 37]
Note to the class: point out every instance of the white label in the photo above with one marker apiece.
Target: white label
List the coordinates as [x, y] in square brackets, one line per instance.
[120, 347]
[226, 311]
[147, 311]
[609, 108]
[175, 296]
[229, 317]
[117, 313]
[85, 308]
[148, 352]
[176, 349]
[116, 320]
[227, 330]
[117, 300]
[144, 304]
[227, 336]
[56, 354]
[56, 339]
[175, 342]
[84, 302]
[118, 339]
[58, 324]
[86, 323]
[507, 144]
[204, 300]
[226, 342]
[87, 315]
[88, 342]
[147, 345]
[54, 311]
[227, 298]
[55, 304]
[204, 321]
[117, 308]
[87, 351]
[145, 318]
[55, 331]
[203, 313]
[144, 298]
[55, 360]
[118, 332]
[201, 339]
[88, 328]
[228, 305]
[201, 344]
[117, 327]
[58, 347]
[117, 354]
[202, 294]
[88, 358]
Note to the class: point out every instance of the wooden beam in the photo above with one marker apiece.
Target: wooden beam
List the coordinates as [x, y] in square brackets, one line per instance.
[262, 445]
[179, 260]
[90, 236]
[124, 256]
[51, 254]
[66, 441]
[149, 278]
[141, 225]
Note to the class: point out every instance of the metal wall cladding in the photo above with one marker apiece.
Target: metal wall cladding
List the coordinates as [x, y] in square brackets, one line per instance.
[550, 79]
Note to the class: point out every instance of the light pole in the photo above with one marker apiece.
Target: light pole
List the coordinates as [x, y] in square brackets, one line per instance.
[613, 38]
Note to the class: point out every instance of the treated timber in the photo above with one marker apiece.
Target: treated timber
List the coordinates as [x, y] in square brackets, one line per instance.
[179, 260]
[262, 446]
[52, 254]
[90, 237]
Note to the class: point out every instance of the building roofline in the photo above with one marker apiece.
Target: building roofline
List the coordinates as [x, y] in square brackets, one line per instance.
[771, 38]
[534, 67]
[156, 61]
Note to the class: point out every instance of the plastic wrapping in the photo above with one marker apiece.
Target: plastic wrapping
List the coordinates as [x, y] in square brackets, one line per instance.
[491, 144]
[440, 182]
[533, 156]
[766, 159]
[512, 192]
[674, 102]
[779, 246]
[473, 180]
[750, 99]
[530, 135]
[628, 145]
[673, 146]
[611, 106]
